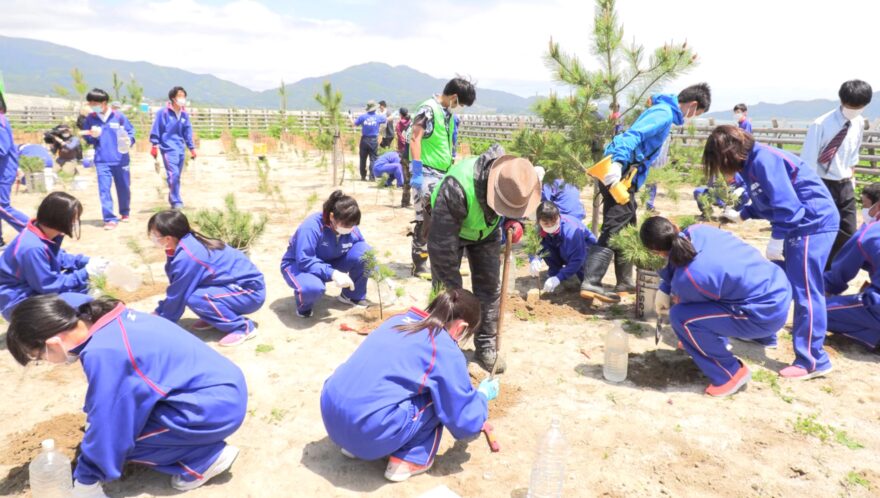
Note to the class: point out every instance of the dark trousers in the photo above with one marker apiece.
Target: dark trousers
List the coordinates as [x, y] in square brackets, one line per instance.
[369, 148]
[404, 162]
[615, 216]
[844, 196]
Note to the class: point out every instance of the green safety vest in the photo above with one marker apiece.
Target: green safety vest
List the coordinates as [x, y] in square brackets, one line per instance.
[474, 227]
[437, 149]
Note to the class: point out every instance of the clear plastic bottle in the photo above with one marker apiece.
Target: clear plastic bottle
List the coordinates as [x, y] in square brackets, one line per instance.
[616, 355]
[49, 473]
[123, 141]
[548, 472]
[122, 277]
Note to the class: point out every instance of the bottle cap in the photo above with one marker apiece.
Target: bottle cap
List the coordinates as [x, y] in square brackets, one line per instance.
[48, 444]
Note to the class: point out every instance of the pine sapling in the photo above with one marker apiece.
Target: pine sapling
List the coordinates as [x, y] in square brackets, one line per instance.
[531, 244]
[379, 273]
[628, 243]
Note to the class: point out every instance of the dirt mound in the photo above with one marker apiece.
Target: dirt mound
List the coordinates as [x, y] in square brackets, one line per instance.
[22, 447]
[662, 367]
[568, 306]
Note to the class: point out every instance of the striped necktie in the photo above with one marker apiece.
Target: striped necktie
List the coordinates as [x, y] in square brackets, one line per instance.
[831, 149]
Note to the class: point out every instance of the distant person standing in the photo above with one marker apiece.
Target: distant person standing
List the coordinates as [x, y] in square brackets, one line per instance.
[172, 135]
[741, 116]
[369, 123]
[831, 148]
[402, 129]
[388, 129]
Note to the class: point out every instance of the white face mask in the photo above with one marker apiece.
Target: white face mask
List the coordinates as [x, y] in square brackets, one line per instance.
[866, 215]
[181, 101]
[738, 116]
[157, 242]
[343, 230]
[851, 114]
[553, 229]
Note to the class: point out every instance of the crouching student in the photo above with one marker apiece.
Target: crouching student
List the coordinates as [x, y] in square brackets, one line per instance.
[34, 263]
[565, 242]
[389, 164]
[157, 395]
[217, 282]
[857, 316]
[404, 384]
[723, 288]
[328, 246]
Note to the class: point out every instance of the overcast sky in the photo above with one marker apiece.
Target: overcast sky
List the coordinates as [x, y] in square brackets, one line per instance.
[750, 50]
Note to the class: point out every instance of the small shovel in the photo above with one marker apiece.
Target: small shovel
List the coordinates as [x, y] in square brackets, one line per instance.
[505, 275]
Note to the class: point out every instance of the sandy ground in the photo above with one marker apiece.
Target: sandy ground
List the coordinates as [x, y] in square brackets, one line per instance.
[654, 435]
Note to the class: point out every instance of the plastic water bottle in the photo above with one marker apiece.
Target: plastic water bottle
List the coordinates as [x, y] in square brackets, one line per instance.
[548, 472]
[616, 355]
[123, 141]
[49, 473]
[122, 277]
[49, 178]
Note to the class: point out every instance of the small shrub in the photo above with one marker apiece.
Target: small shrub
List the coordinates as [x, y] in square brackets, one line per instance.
[237, 228]
[629, 244]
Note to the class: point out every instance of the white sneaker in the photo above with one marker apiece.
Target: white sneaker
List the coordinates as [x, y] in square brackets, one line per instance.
[363, 303]
[220, 465]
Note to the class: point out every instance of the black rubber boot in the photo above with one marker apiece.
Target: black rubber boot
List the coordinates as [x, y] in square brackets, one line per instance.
[487, 358]
[420, 264]
[623, 270]
[594, 269]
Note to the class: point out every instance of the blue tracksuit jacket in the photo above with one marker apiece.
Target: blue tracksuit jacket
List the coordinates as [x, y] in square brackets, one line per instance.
[33, 264]
[106, 150]
[641, 143]
[567, 249]
[377, 400]
[370, 123]
[389, 164]
[315, 245]
[157, 395]
[193, 266]
[38, 151]
[170, 133]
[566, 197]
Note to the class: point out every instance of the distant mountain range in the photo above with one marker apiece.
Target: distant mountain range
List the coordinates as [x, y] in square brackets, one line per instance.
[799, 110]
[33, 67]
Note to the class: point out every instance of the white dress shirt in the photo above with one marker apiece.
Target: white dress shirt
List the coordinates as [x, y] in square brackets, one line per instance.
[820, 133]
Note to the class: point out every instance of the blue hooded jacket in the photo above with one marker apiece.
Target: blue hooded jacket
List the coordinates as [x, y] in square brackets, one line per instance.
[641, 143]
[170, 133]
[566, 197]
[106, 148]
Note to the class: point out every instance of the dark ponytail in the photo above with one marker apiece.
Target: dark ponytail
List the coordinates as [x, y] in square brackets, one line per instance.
[449, 306]
[38, 318]
[175, 224]
[659, 234]
[344, 208]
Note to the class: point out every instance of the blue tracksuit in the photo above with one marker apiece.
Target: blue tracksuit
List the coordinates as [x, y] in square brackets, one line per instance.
[112, 167]
[738, 183]
[566, 250]
[641, 143]
[716, 299]
[38, 151]
[370, 123]
[745, 125]
[858, 315]
[314, 251]
[172, 133]
[34, 264]
[8, 175]
[157, 396]
[397, 392]
[389, 164]
[219, 286]
[566, 197]
[800, 210]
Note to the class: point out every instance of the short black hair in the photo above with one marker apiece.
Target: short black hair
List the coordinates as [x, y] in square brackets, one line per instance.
[382, 103]
[462, 88]
[97, 95]
[872, 192]
[547, 211]
[172, 222]
[740, 108]
[172, 94]
[344, 208]
[404, 112]
[855, 93]
[60, 211]
[699, 93]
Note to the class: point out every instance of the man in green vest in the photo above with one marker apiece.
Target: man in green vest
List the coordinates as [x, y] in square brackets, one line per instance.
[430, 153]
[476, 196]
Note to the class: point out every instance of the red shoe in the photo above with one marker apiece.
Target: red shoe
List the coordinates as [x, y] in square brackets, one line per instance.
[795, 372]
[400, 470]
[125, 218]
[110, 225]
[741, 378]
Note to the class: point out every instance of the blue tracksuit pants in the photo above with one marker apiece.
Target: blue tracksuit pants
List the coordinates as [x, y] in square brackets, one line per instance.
[173, 168]
[703, 329]
[223, 306]
[9, 214]
[308, 288]
[805, 259]
[849, 316]
[121, 176]
[424, 436]
[394, 172]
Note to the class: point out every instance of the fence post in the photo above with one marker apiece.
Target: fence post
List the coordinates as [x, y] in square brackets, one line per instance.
[778, 135]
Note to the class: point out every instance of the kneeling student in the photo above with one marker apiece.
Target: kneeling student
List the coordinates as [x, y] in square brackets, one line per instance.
[157, 395]
[404, 384]
[565, 242]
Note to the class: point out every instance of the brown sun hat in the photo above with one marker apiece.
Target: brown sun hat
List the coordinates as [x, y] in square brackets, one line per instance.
[371, 106]
[513, 189]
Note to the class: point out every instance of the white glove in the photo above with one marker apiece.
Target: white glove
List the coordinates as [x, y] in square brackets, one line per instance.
[775, 250]
[551, 284]
[662, 303]
[731, 215]
[613, 175]
[738, 192]
[81, 490]
[96, 266]
[95, 131]
[535, 267]
[342, 279]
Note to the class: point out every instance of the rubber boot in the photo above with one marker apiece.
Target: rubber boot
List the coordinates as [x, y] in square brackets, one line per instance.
[623, 270]
[420, 265]
[594, 269]
[487, 358]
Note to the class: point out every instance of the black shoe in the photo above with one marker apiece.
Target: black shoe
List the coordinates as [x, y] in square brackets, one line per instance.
[594, 269]
[304, 314]
[487, 358]
[623, 270]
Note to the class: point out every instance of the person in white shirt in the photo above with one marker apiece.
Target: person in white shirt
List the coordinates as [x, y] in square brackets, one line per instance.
[832, 146]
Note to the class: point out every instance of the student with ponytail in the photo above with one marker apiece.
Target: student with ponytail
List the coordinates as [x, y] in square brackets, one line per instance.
[218, 282]
[326, 247]
[722, 288]
[404, 384]
[157, 395]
